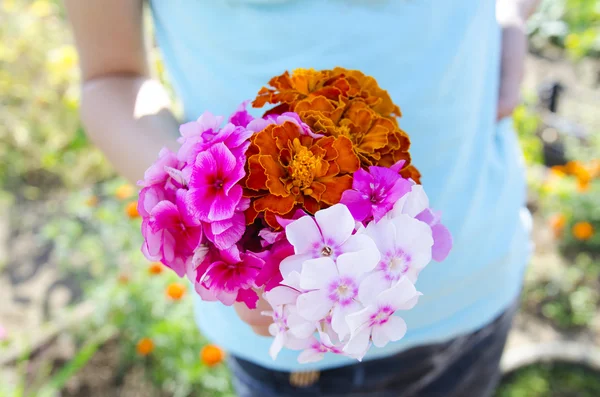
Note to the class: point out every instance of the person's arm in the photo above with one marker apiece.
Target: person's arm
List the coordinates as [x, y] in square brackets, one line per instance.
[512, 15]
[125, 112]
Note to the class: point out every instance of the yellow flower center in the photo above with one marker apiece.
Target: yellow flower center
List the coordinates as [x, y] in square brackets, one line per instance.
[303, 165]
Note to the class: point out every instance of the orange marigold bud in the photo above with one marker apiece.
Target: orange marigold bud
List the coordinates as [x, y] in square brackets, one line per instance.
[211, 355]
[155, 268]
[175, 291]
[557, 223]
[583, 230]
[145, 346]
[131, 210]
[124, 192]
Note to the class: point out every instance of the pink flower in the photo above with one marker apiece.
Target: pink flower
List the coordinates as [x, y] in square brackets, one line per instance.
[374, 193]
[3, 334]
[289, 329]
[329, 234]
[317, 349]
[442, 239]
[214, 193]
[227, 272]
[223, 234]
[270, 276]
[377, 322]
[171, 234]
[405, 245]
[416, 204]
[157, 173]
[200, 131]
[241, 117]
[334, 287]
[149, 197]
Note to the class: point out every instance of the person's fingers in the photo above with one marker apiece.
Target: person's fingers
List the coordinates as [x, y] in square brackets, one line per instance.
[514, 50]
[254, 317]
[261, 330]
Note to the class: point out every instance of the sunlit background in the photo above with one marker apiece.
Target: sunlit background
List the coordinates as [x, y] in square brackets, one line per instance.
[82, 312]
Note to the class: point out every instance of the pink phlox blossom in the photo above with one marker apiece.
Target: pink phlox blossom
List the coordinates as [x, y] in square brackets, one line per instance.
[334, 287]
[374, 193]
[405, 246]
[214, 190]
[226, 272]
[376, 323]
[329, 234]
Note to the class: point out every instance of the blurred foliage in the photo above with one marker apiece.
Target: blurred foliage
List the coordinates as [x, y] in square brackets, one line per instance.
[98, 238]
[551, 380]
[526, 122]
[42, 143]
[571, 24]
[569, 300]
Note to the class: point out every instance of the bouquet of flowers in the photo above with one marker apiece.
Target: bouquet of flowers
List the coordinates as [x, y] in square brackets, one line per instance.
[315, 206]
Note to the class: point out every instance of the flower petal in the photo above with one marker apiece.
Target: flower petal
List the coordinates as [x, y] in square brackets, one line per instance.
[281, 295]
[303, 234]
[317, 273]
[336, 224]
[277, 344]
[314, 305]
[224, 205]
[403, 295]
[371, 287]
[391, 331]
[442, 242]
[310, 356]
[360, 207]
[356, 264]
[358, 344]
[338, 318]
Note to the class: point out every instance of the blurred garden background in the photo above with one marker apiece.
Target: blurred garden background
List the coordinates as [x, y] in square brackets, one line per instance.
[84, 314]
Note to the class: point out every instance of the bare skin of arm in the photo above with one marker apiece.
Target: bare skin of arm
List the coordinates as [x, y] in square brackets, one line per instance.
[125, 112]
[512, 16]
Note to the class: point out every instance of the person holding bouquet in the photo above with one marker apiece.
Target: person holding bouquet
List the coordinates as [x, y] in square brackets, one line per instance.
[454, 69]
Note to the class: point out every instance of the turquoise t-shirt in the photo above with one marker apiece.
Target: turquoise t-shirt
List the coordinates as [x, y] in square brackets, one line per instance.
[439, 60]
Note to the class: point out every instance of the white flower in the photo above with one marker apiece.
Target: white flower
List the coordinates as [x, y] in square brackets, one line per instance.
[377, 322]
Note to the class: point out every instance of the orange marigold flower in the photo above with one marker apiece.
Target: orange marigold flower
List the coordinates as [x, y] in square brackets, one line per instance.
[131, 210]
[123, 278]
[91, 201]
[583, 230]
[558, 170]
[288, 170]
[145, 346]
[342, 102]
[557, 223]
[175, 291]
[155, 268]
[211, 355]
[124, 192]
[594, 168]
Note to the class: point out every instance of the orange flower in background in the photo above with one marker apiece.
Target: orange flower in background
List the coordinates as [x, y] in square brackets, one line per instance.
[594, 168]
[289, 170]
[92, 201]
[557, 223]
[558, 171]
[155, 268]
[123, 278]
[131, 210]
[124, 192]
[175, 291]
[145, 346]
[342, 102]
[211, 355]
[583, 231]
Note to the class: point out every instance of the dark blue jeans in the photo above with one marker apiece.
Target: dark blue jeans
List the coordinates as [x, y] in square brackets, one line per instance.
[467, 366]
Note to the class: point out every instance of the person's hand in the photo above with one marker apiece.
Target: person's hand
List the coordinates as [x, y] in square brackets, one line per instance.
[254, 318]
[513, 52]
